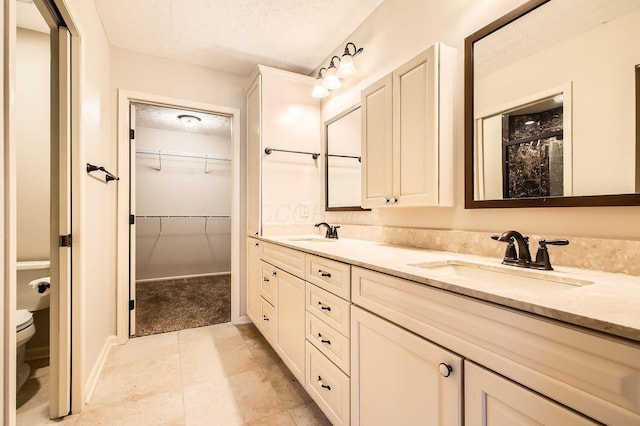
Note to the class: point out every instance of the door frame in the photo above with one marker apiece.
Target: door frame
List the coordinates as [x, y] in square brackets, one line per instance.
[125, 98]
[73, 385]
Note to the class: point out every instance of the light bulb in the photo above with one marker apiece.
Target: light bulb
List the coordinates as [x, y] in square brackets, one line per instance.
[319, 90]
[347, 67]
[331, 80]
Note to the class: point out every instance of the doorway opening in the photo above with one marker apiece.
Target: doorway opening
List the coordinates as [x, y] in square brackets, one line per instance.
[181, 185]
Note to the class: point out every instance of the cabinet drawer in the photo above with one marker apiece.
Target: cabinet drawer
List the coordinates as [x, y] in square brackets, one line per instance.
[284, 258]
[328, 386]
[328, 307]
[330, 275]
[328, 341]
[592, 374]
[268, 321]
[268, 282]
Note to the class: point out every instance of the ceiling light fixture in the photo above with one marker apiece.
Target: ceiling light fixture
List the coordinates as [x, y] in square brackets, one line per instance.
[319, 89]
[333, 74]
[189, 120]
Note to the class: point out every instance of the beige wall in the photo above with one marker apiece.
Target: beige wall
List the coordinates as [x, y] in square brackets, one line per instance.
[398, 30]
[33, 144]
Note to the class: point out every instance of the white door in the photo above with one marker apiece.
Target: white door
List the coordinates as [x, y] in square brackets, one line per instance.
[398, 378]
[132, 220]
[61, 239]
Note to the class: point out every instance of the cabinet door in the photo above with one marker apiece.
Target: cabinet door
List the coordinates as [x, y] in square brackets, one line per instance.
[377, 139]
[398, 378]
[291, 322]
[415, 141]
[492, 400]
[254, 278]
[254, 154]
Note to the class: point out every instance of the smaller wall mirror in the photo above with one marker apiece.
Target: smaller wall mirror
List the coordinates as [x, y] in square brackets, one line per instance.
[343, 161]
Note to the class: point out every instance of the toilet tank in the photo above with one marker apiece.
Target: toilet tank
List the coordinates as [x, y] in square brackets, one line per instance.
[26, 297]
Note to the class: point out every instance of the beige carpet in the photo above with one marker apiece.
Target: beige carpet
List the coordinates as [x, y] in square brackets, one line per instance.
[163, 306]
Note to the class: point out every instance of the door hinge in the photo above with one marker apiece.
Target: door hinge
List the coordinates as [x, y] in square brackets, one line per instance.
[132, 219]
[65, 241]
[132, 305]
[132, 134]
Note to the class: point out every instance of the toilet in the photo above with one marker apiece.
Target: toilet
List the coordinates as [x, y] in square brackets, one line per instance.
[32, 295]
[25, 329]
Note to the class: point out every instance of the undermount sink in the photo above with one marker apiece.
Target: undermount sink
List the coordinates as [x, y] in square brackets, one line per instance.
[312, 240]
[507, 276]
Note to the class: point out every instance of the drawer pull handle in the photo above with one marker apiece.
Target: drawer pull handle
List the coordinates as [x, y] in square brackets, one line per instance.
[324, 274]
[328, 342]
[327, 387]
[445, 369]
[326, 308]
[265, 318]
[265, 279]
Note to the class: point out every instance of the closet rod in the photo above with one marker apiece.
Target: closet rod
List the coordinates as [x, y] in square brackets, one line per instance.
[181, 154]
[346, 156]
[315, 155]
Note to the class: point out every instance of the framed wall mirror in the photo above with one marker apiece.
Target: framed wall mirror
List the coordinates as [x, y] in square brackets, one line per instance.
[552, 106]
[343, 161]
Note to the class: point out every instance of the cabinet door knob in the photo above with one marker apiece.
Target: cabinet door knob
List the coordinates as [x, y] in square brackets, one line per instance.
[265, 318]
[265, 279]
[274, 273]
[257, 244]
[327, 387]
[385, 200]
[393, 200]
[445, 369]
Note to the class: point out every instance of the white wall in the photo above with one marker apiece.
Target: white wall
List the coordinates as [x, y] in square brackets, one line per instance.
[33, 144]
[400, 29]
[182, 188]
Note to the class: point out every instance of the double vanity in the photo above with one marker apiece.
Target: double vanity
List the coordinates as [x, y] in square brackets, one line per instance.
[381, 334]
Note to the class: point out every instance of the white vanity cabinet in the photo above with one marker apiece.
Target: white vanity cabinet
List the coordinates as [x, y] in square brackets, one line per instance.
[253, 277]
[282, 303]
[575, 370]
[407, 133]
[398, 378]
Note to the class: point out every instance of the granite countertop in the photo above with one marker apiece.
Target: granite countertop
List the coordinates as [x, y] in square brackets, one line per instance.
[610, 303]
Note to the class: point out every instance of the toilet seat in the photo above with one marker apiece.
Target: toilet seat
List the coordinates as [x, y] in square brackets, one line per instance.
[24, 319]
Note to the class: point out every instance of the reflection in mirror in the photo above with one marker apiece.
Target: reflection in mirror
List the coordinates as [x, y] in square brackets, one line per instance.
[520, 150]
[343, 161]
[585, 152]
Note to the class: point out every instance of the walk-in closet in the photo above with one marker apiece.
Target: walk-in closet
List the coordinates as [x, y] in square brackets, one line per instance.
[181, 194]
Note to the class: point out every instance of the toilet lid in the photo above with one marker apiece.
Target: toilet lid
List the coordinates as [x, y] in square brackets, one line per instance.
[24, 319]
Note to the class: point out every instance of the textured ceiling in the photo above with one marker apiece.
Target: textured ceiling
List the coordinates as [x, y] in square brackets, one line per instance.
[542, 28]
[234, 35]
[165, 118]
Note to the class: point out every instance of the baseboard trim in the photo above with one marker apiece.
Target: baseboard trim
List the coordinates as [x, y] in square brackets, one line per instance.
[179, 277]
[37, 353]
[92, 380]
[243, 320]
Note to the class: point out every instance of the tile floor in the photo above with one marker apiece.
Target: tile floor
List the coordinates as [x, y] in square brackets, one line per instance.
[222, 375]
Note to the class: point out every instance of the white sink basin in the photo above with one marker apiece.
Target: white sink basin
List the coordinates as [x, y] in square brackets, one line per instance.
[507, 276]
[312, 240]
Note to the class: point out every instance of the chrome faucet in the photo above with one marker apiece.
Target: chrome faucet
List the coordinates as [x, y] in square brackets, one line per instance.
[332, 230]
[522, 257]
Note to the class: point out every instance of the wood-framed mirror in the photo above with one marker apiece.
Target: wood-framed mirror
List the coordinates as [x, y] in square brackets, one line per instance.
[552, 106]
[343, 161]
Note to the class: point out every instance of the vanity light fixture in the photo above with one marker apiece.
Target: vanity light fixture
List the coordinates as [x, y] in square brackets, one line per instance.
[189, 120]
[319, 89]
[333, 74]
